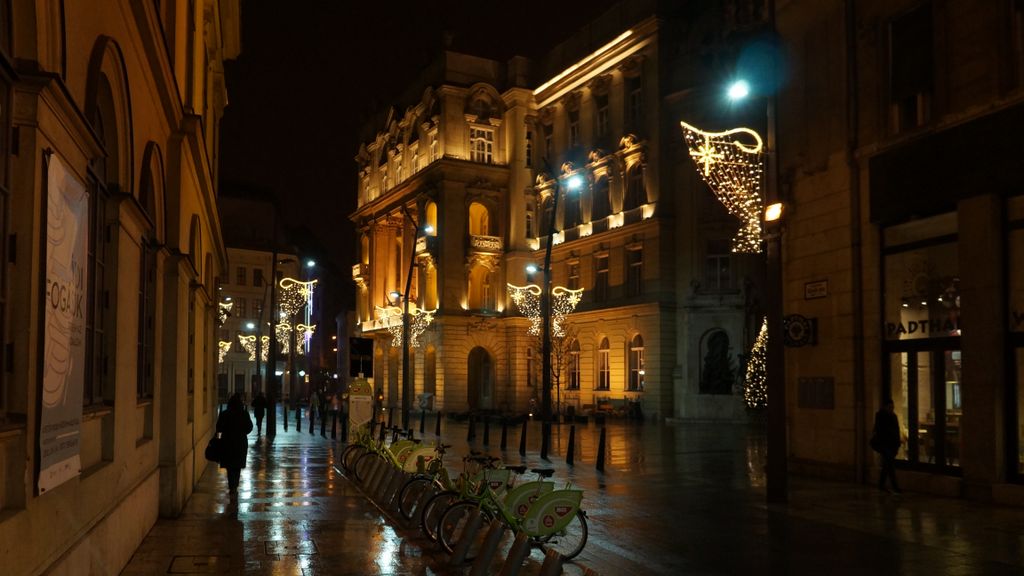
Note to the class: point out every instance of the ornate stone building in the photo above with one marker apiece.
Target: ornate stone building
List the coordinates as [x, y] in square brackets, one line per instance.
[109, 118]
[474, 163]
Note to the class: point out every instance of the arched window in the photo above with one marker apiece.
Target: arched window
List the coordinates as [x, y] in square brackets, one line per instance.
[573, 381]
[601, 203]
[635, 194]
[481, 292]
[364, 248]
[430, 222]
[430, 286]
[636, 364]
[479, 220]
[604, 366]
[571, 211]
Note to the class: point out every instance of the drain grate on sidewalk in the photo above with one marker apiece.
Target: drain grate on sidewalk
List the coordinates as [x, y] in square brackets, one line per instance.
[285, 548]
[200, 565]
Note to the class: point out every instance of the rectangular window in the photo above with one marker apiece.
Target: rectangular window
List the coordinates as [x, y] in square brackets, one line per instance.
[97, 346]
[636, 368]
[433, 145]
[239, 311]
[240, 276]
[718, 265]
[601, 278]
[603, 127]
[574, 366]
[574, 129]
[911, 68]
[635, 271]
[635, 98]
[574, 275]
[549, 143]
[530, 369]
[257, 277]
[147, 320]
[481, 145]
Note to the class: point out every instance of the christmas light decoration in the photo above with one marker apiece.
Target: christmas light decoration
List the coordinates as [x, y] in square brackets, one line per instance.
[755, 387]
[223, 347]
[283, 331]
[223, 311]
[249, 343]
[731, 164]
[419, 319]
[563, 302]
[306, 330]
[295, 295]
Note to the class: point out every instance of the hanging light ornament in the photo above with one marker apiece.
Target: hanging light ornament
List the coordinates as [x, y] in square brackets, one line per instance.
[295, 295]
[283, 330]
[419, 319]
[306, 330]
[731, 164]
[563, 302]
[223, 311]
[223, 347]
[249, 343]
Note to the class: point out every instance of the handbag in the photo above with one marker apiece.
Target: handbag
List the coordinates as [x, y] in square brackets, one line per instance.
[876, 445]
[213, 449]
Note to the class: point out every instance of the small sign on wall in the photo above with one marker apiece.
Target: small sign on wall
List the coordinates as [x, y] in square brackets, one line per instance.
[816, 289]
[816, 392]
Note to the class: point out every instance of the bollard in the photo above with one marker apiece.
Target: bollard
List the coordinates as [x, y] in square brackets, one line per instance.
[522, 439]
[284, 409]
[437, 425]
[487, 431]
[312, 421]
[391, 417]
[323, 425]
[383, 434]
[516, 554]
[468, 537]
[471, 431]
[552, 565]
[504, 434]
[571, 451]
[298, 418]
[600, 451]
[482, 564]
[334, 425]
[423, 417]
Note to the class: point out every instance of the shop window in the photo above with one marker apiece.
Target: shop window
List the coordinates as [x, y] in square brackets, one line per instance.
[921, 311]
[636, 364]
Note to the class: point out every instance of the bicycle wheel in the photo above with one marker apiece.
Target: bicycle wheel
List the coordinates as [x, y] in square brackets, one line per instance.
[569, 541]
[410, 495]
[364, 464]
[453, 524]
[433, 510]
[349, 457]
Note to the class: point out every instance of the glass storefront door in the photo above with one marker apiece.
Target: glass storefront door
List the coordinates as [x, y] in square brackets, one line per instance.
[925, 386]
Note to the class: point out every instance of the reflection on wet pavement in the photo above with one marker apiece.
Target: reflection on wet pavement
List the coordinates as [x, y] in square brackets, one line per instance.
[674, 499]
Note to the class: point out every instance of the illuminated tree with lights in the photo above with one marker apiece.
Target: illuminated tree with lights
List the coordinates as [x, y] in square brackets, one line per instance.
[755, 388]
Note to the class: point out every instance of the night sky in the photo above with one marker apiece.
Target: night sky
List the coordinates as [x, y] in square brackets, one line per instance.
[312, 72]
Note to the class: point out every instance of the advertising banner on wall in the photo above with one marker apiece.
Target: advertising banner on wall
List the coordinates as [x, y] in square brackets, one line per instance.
[360, 404]
[64, 317]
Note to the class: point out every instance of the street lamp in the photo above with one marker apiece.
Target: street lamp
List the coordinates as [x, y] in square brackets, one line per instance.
[573, 182]
[729, 167]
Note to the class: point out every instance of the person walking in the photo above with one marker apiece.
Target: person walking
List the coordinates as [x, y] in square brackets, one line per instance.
[886, 441]
[233, 425]
[259, 409]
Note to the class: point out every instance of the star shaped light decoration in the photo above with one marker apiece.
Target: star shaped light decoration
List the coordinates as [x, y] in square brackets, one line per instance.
[249, 343]
[731, 164]
[563, 302]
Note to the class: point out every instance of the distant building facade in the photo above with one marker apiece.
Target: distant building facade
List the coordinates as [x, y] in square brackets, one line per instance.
[475, 161]
[112, 243]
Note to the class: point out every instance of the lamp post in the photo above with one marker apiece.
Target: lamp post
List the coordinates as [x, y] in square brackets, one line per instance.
[573, 183]
[406, 379]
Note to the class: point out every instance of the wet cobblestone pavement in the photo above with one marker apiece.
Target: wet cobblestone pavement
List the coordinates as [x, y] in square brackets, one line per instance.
[673, 499]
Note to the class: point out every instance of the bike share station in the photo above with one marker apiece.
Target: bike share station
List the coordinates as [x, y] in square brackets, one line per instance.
[360, 405]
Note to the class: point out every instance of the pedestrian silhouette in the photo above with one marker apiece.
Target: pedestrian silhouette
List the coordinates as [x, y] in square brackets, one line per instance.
[234, 425]
[886, 441]
[259, 409]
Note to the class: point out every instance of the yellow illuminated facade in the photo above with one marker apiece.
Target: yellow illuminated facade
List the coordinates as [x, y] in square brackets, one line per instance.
[462, 182]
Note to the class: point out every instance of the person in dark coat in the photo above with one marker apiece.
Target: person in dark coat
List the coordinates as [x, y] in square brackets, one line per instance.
[887, 442]
[259, 409]
[233, 425]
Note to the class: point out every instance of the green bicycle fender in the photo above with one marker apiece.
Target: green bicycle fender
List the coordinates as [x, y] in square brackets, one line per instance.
[519, 499]
[497, 479]
[411, 461]
[552, 512]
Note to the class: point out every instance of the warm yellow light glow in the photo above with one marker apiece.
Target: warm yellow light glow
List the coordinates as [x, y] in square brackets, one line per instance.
[223, 347]
[773, 212]
[586, 229]
[730, 163]
[648, 210]
[563, 302]
[391, 318]
[585, 60]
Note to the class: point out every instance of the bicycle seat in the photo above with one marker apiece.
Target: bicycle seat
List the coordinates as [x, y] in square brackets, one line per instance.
[543, 472]
[516, 469]
[475, 453]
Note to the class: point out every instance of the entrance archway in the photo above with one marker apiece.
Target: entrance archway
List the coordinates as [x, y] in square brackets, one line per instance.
[481, 380]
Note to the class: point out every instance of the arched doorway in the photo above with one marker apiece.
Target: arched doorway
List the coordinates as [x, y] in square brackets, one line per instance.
[481, 380]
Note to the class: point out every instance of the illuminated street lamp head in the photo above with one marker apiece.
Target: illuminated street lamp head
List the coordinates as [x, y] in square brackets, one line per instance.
[250, 326]
[310, 263]
[575, 182]
[428, 229]
[773, 212]
[395, 295]
[531, 268]
[739, 90]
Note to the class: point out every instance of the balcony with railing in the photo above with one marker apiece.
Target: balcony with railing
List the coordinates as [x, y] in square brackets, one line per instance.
[486, 244]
